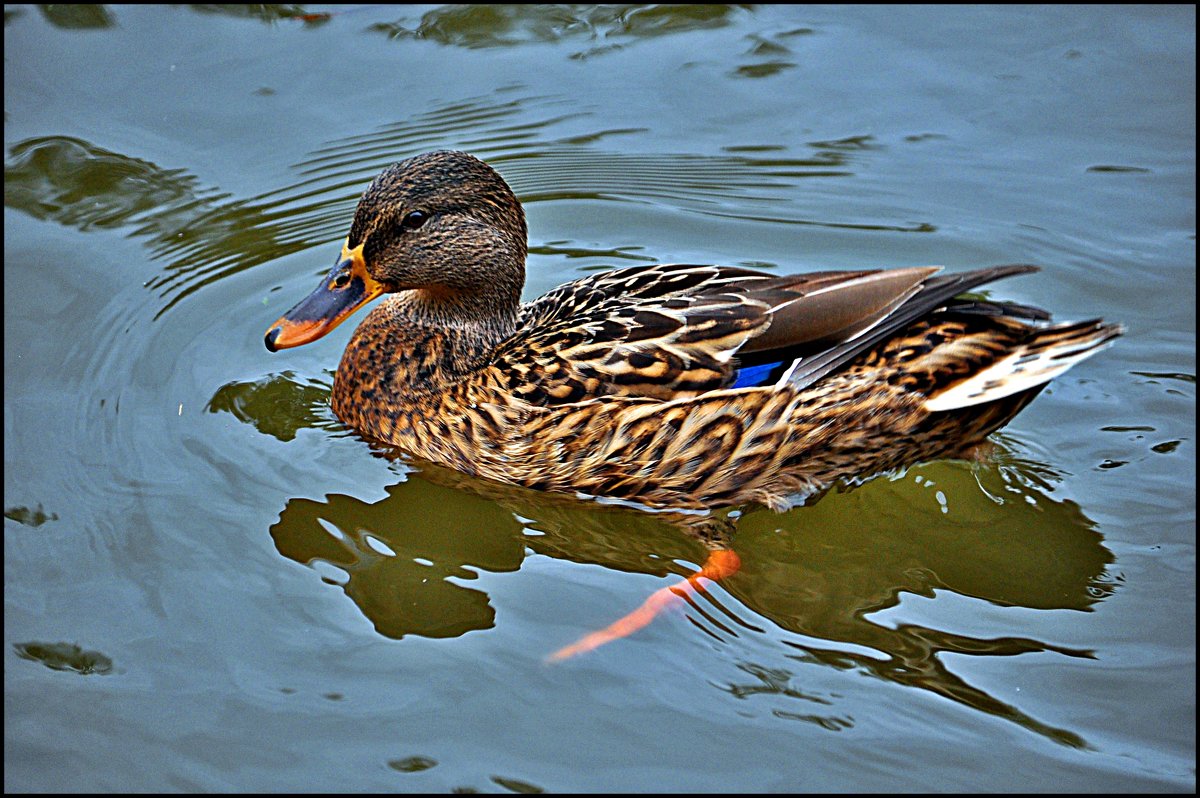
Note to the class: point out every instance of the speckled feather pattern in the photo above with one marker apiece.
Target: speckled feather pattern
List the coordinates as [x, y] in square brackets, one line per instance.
[571, 413]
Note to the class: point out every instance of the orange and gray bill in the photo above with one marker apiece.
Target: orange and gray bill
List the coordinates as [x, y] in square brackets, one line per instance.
[344, 290]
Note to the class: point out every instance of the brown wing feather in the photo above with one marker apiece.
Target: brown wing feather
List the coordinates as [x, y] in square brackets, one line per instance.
[657, 331]
[934, 293]
[672, 331]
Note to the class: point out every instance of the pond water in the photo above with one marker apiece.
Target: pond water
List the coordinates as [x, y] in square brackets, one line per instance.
[211, 584]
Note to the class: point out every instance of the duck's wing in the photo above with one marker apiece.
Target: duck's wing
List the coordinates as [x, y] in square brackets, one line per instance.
[671, 331]
[931, 295]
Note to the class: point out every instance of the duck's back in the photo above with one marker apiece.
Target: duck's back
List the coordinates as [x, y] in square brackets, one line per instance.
[627, 384]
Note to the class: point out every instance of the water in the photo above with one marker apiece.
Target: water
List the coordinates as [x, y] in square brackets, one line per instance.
[211, 584]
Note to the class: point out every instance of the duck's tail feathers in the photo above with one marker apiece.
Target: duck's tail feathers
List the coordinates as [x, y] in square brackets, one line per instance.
[1050, 352]
[935, 292]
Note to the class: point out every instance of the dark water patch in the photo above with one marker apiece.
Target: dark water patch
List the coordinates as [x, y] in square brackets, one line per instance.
[77, 184]
[1168, 375]
[565, 249]
[915, 227]
[1006, 540]
[278, 405]
[1110, 168]
[268, 13]
[412, 590]
[931, 674]
[850, 143]
[408, 570]
[517, 786]
[65, 657]
[769, 682]
[412, 764]
[510, 25]
[77, 16]
[592, 138]
[29, 517]
[754, 148]
[827, 722]
[763, 70]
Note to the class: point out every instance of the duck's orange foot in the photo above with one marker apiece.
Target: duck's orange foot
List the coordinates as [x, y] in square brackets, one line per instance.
[721, 563]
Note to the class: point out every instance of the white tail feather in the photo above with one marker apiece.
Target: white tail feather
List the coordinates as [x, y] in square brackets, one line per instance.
[1054, 351]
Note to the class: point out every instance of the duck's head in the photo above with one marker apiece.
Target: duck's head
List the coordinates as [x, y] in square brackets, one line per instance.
[443, 226]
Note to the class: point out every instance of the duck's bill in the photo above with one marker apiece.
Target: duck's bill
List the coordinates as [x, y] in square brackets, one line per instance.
[344, 290]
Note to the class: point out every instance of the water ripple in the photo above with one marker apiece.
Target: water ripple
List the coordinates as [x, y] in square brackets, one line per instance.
[205, 235]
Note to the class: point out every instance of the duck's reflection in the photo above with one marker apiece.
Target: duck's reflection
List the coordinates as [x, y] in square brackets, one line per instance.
[820, 572]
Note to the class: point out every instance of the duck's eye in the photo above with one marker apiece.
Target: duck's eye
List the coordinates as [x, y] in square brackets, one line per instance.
[413, 220]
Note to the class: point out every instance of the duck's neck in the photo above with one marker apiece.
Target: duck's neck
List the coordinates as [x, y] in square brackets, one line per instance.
[490, 313]
[465, 305]
[420, 342]
[425, 340]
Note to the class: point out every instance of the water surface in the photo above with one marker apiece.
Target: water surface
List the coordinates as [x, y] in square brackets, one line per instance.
[211, 584]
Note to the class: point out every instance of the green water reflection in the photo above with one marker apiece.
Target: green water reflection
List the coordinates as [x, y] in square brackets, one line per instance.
[820, 571]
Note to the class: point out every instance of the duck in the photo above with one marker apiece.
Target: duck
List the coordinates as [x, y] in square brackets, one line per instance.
[674, 386]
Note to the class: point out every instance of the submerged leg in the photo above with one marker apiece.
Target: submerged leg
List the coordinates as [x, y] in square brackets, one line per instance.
[722, 562]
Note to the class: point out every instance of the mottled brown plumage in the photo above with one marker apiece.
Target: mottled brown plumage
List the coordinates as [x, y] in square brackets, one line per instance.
[671, 386]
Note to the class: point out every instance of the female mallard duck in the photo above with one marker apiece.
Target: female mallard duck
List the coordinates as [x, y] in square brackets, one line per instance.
[672, 385]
